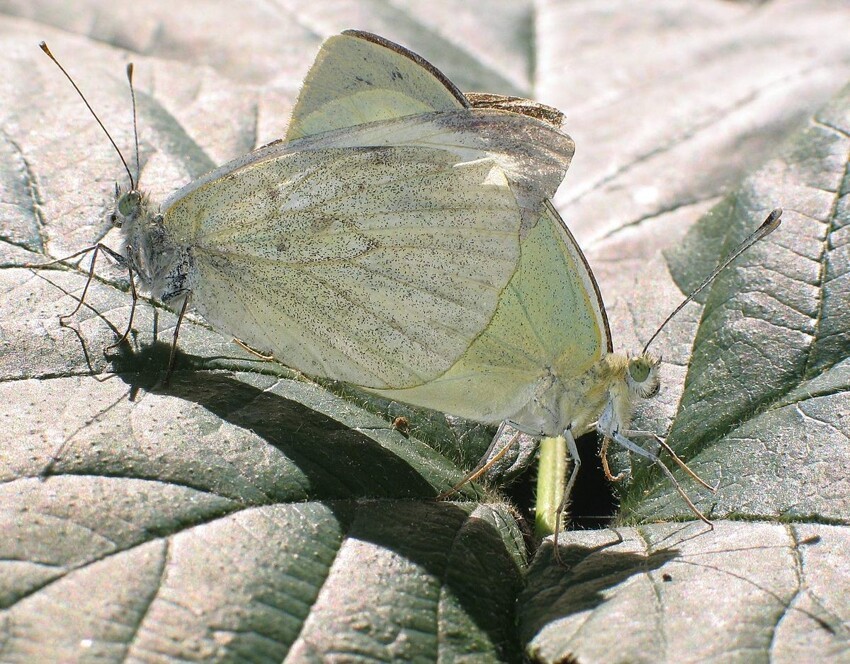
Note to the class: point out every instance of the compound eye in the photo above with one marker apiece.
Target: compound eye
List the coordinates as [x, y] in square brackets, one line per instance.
[642, 376]
[129, 203]
[639, 370]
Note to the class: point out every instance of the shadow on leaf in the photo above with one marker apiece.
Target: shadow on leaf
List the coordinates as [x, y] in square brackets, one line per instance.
[556, 592]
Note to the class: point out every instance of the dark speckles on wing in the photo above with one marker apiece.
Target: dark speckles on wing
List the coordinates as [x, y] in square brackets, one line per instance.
[383, 263]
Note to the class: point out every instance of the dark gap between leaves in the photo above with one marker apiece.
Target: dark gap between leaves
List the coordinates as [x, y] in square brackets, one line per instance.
[594, 499]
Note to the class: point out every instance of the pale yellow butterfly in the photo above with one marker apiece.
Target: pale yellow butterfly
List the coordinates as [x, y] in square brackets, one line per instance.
[373, 254]
[544, 362]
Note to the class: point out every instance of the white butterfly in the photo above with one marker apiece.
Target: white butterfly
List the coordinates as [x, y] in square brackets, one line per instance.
[544, 362]
[373, 254]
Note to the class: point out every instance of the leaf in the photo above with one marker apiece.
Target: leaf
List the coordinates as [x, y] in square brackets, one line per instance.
[768, 390]
[671, 593]
[245, 513]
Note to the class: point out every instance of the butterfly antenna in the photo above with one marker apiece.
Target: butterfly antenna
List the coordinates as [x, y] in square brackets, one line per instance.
[43, 47]
[135, 120]
[768, 226]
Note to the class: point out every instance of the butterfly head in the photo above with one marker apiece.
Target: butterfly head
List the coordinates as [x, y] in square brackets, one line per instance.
[145, 246]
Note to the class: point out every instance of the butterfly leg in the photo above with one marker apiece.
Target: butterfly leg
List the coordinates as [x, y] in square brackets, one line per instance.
[676, 458]
[186, 297]
[603, 456]
[94, 250]
[256, 353]
[118, 258]
[646, 454]
[135, 300]
[572, 448]
[486, 461]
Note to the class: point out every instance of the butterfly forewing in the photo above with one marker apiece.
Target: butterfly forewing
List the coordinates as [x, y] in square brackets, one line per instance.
[342, 272]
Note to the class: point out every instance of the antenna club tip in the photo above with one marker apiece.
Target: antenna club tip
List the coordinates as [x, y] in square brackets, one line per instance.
[43, 46]
[130, 71]
[773, 220]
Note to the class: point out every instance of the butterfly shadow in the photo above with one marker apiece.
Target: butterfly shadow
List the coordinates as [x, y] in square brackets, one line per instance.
[376, 495]
[582, 581]
[336, 461]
